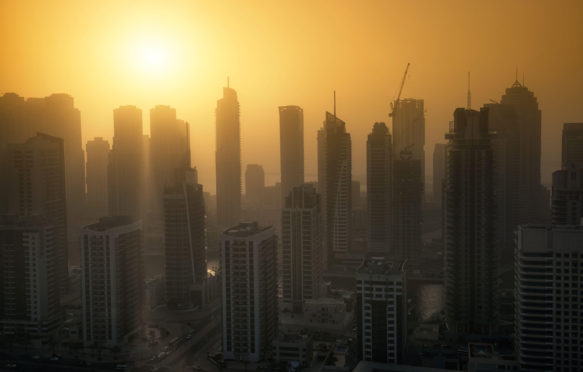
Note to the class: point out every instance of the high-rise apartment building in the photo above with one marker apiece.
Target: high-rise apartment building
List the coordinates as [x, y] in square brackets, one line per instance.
[407, 205]
[184, 241]
[254, 185]
[169, 151]
[57, 116]
[112, 281]
[29, 292]
[381, 310]
[291, 141]
[125, 163]
[379, 189]
[334, 186]
[301, 241]
[97, 162]
[409, 130]
[469, 224]
[249, 280]
[438, 170]
[36, 178]
[567, 197]
[228, 159]
[548, 276]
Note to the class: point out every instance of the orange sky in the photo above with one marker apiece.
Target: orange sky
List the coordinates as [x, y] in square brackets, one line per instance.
[281, 53]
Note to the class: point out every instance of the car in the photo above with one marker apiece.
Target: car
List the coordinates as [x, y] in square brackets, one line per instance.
[10, 365]
[35, 357]
[55, 357]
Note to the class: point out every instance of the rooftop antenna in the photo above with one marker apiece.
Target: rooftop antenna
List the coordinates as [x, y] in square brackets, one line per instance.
[516, 78]
[523, 78]
[227, 82]
[469, 93]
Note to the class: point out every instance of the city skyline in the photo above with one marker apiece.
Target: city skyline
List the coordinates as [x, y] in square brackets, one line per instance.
[192, 89]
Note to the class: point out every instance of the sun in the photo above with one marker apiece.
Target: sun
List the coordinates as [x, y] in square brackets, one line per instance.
[153, 57]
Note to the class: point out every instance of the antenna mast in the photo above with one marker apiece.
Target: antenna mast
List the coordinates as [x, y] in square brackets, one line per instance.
[469, 93]
[334, 105]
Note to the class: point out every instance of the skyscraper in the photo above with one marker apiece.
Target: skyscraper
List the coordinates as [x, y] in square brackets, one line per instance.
[228, 159]
[254, 185]
[36, 179]
[29, 294]
[409, 130]
[572, 144]
[249, 280]
[112, 281]
[548, 297]
[379, 188]
[407, 205]
[125, 163]
[567, 197]
[184, 241]
[57, 116]
[334, 186]
[469, 225]
[381, 310]
[301, 242]
[169, 151]
[97, 163]
[291, 141]
[438, 170]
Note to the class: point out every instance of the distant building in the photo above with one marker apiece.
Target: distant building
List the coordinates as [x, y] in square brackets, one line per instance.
[381, 310]
[567, 199]
[407, 206]
[379, 189]
[228, 159]
[548, 297]
[97, 163]
[572, 144]
[301, 242]
[36, 179]
[469, 225]
[334, 186]
[484, 358]
[409, 131]
[254, 185]
[125, 163]
[112, 281]
[291, 141]
[184, 241]
[249, 280]
[290, 348]
[438, 170]
[29, 292]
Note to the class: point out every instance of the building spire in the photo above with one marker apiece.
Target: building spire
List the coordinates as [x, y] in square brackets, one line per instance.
[334, 105]
[469, 93]
[227, 82]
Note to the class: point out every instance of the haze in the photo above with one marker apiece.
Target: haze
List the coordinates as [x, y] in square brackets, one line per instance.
[108, 53]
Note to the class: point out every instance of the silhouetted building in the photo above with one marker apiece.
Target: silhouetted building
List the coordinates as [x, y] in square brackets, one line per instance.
[469, 224]
[97, 163]
[567, 199]
[291, 141]
[125, 163]
[301, 240]
[409, 131]
[249, 280]
[548, 297]
[379, 189]
[572, 144]
[169, 151]
[254, 185]
[228, 159]
[334, 186]
[57, 116]
[36, 179]
[29, 292]
[112, 281]
[407, 206]
[184, 241]
[438, 170]
[381, 310]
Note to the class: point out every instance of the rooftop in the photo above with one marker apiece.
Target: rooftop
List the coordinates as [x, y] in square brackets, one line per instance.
[106, 223]
[381, 265]
[245, 229]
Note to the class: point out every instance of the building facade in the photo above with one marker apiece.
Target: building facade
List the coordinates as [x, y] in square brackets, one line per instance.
[291, 145]
[112, 281]
[381, 310]
[97, 163]
[249, 281]
[301, 242]
[409, 130]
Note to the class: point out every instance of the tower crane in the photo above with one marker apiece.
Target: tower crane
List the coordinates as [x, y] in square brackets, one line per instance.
[394, 105]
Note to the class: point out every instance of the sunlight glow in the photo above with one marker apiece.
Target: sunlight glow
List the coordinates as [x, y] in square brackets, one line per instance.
[153, 57]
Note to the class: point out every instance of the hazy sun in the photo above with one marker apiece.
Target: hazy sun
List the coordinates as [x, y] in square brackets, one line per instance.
[153, 57]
